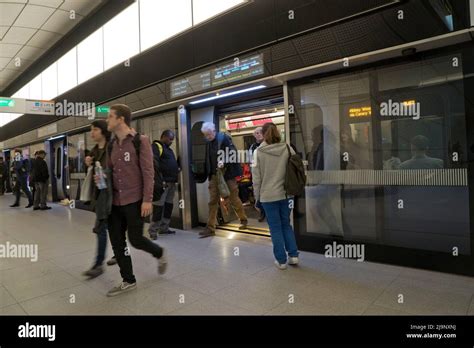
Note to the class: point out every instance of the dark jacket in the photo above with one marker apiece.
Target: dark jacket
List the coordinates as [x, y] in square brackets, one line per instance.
[231, 169]
[101, 202]
[32, 170]
[40, 172]
[254, 147]
[102, 158]
[21, 168]
[165, 163]
[3, 170]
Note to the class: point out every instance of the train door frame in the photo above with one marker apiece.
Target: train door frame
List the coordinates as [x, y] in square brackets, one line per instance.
[188, 187]
[55, 144]
[217, 105]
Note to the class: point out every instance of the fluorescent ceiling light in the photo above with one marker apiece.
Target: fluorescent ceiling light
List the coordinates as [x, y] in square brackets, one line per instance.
[7, 117]
[56, 137]
[223, 95]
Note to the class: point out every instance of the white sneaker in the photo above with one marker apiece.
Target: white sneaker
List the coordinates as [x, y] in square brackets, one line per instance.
[162, 263]
[121, 288]
[293, 261]
[280, 265]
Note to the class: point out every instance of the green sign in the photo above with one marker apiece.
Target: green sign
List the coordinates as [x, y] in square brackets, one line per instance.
[7, 102]
[102, 109]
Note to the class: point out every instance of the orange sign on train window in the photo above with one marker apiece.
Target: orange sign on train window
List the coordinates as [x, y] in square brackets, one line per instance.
[364, 111]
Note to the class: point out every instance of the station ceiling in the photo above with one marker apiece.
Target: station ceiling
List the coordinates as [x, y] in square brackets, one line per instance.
[28, 28]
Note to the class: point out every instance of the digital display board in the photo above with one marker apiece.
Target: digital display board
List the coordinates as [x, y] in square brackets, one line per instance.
[363, 111]
[236, 70]
[191, 84]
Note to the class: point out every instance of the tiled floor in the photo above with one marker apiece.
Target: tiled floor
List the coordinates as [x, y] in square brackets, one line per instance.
[221, 275]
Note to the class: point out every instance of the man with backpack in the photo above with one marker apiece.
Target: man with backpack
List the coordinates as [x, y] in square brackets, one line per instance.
[130, 160]
[21, 169]
[218, 144]
[166, 177]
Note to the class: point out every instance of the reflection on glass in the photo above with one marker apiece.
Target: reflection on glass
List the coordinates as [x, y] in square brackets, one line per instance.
[76, 153]
[361, 162]
[420, 160]
[390, 161]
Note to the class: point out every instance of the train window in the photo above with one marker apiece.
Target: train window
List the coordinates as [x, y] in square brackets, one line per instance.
[76, 153]
[386, 150]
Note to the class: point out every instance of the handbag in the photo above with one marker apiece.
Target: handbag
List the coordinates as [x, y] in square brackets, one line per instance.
[224, 191]
[86, 189]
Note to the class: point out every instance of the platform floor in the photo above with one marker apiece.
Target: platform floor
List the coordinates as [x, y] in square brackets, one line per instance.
[205, 277]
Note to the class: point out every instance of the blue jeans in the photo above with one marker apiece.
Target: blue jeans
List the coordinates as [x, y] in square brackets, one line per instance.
[283, 237]
[101, 244]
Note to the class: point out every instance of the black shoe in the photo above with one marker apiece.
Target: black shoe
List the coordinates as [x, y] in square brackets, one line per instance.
[167, 232]
[14, 205]
[261, 218]
[112, 261]
[46, 208]
[36, 208]
[29, 205]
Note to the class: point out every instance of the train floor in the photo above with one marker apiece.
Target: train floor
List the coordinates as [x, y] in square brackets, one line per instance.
[230, 274]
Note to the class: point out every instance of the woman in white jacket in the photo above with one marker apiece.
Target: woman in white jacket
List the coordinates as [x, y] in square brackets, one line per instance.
[268, 173]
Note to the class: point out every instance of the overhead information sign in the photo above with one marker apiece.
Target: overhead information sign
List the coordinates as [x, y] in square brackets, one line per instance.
[26, 106]
[230, 72]
[39, 107]
[240, 69]
[191, 84]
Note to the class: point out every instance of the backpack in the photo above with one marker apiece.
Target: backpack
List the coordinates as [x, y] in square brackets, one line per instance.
[137, 142]
[220, 138]
[295, 178]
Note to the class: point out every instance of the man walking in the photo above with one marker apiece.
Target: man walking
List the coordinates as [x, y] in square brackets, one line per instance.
[219, 143]
[21, 170]
[166, 176]
[130, 160]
